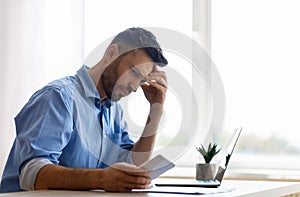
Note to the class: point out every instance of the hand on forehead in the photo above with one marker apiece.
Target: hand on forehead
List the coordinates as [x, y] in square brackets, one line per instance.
[145, 69]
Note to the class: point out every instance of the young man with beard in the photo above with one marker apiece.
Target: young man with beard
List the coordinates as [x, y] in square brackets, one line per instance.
[71, 133]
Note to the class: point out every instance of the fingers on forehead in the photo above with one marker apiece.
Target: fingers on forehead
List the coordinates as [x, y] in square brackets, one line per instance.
[154, 68]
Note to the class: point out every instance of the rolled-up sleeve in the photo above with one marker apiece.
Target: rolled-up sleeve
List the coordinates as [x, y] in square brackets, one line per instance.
[44, 128]
[29, 172]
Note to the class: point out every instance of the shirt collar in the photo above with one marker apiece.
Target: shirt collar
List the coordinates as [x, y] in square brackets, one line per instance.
[89, 87]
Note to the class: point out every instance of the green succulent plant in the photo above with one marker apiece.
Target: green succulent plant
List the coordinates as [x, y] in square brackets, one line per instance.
[209, 153]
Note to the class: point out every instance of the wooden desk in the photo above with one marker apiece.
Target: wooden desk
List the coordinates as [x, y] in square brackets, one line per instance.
[240, 188]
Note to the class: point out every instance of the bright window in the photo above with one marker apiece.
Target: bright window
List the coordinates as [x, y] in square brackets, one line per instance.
[255, 45]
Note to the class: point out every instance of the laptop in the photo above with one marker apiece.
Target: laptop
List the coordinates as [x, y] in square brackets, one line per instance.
[206, 183]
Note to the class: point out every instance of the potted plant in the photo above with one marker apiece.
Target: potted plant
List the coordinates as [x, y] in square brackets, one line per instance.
[207, 171]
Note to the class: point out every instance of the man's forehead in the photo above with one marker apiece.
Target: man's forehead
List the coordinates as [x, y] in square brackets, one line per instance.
[145, 69]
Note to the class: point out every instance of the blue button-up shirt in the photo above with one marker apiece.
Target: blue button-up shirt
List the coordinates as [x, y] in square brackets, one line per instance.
[63, 123]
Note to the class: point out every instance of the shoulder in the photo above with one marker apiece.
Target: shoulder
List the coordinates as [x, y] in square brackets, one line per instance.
[53, 99]
[63, 85]
[55, 91]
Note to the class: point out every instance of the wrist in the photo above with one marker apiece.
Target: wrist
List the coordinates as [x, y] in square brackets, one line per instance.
[156, 108]
[95, 178]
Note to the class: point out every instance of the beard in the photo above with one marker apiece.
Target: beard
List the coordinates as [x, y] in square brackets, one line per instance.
[109, 79]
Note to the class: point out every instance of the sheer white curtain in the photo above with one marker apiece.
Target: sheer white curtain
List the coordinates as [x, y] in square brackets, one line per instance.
[41, 40]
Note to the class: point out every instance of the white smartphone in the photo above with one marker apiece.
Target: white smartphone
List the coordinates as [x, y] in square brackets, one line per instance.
[157, 166]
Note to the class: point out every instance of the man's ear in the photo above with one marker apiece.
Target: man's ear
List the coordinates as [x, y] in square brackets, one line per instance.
[111, 53]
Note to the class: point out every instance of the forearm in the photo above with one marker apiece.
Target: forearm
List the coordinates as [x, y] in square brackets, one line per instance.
[142, 149]
[58, 177]
[120, 177]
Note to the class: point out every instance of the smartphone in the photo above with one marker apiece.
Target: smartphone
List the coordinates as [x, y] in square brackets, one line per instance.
[157, 166]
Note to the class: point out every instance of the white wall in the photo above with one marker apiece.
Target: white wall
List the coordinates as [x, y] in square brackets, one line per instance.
[41, 40]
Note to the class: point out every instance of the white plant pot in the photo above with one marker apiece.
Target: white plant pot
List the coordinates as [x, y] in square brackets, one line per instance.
[206, 171]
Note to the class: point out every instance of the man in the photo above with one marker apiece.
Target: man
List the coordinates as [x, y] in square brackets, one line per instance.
[71, 133]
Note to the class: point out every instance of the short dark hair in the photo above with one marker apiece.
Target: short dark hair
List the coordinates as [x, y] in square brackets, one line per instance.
[139, 38]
